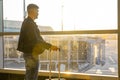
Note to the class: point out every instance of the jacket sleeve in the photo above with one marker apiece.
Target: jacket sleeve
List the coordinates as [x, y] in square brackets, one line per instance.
[43, 43]
[35, 37]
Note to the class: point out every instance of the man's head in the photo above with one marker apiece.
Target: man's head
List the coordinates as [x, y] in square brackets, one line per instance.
[32, 10]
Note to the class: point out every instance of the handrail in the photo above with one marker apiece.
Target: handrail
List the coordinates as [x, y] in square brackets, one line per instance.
[63, 74]
[68, 32]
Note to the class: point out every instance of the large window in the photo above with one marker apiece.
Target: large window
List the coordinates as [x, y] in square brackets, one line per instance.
[90, 53]
[13, 15]
[74, 23]
[77, 14]
[57, 15]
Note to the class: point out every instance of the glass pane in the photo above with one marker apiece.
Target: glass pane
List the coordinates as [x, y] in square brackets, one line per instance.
[49, 18]
[13, 15]
[57, 15]
[88, 53]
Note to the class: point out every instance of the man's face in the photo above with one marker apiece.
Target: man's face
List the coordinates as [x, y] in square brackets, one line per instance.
[35, 13]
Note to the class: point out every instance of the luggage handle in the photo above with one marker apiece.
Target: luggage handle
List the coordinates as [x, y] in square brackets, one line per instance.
[58, 64]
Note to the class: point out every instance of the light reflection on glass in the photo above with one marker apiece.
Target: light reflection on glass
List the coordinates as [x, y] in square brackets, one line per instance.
[92, 54]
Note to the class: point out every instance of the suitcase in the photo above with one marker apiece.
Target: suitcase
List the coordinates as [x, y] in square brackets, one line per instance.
[51, 52]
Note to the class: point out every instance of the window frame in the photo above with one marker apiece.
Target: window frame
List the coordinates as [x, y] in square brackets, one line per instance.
[73, 32]
[1, 36]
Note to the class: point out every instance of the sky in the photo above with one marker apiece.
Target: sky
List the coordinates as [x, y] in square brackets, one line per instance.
[73, 15]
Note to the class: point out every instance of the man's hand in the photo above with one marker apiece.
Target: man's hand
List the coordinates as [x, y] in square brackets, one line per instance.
[54, 48]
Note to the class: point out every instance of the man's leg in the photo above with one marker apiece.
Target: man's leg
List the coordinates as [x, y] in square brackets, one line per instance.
[32, 66]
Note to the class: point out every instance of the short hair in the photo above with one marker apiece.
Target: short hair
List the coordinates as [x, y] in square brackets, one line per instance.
[32, 6]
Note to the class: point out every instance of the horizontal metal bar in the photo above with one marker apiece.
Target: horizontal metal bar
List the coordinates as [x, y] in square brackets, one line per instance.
[80, 32]
[69, 75]
[69, 32]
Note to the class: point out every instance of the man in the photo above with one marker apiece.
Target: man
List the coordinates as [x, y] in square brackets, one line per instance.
[31, 43]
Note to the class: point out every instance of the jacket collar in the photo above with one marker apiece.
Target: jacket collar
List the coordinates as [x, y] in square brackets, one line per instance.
[30, 18]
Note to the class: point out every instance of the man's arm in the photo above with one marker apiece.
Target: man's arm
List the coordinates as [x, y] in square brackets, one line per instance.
[36, 38]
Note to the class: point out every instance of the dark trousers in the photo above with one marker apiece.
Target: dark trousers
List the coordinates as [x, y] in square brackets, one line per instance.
[32, 66]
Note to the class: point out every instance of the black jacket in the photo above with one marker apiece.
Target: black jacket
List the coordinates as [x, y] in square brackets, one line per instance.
[30, 36]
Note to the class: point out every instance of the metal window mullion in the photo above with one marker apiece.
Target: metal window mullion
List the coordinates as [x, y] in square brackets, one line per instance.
[118, 39]
[1, 36]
